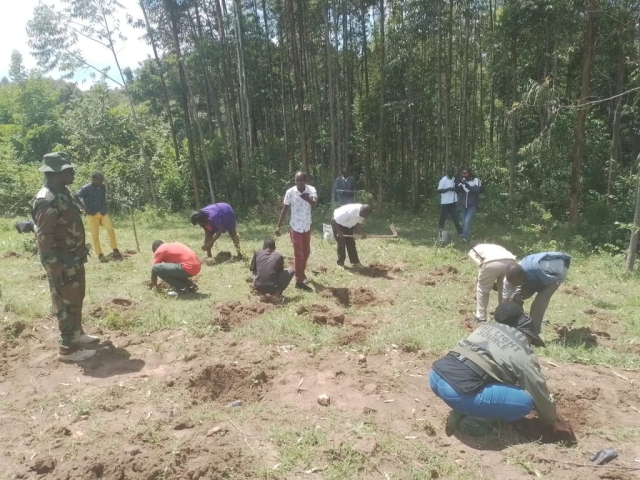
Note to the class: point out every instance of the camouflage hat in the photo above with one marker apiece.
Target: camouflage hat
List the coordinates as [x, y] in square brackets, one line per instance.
[56, 162]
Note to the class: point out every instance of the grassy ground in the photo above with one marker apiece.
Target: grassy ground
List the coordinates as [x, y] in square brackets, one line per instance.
[427, 318]
[598, 305]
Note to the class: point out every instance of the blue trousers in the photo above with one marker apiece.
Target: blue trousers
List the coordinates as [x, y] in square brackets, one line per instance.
[505, 402]
[467, 218]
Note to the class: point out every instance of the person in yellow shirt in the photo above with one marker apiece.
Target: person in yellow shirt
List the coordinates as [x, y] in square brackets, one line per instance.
[93, 200]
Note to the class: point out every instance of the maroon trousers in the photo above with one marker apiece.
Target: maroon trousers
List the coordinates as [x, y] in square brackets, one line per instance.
[301, 251]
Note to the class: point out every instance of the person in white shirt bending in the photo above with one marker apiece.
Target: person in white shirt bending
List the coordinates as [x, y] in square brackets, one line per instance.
[299, 200]
[492, 261]
[448, 199]
[347, 220]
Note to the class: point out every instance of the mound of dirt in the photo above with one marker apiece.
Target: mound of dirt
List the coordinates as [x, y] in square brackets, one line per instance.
[11, 255]
[354, 336]
[122, 302]
[581, 336]
[363, 296]
[576, 291]
[226, 383]
[322, 314]
[319, 270]
[341, 295]
[375, 270]
[233, 314]
[444, 270]
[427, 281]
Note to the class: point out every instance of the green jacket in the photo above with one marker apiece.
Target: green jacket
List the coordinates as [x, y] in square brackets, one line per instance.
[60, 231]
[504, 353]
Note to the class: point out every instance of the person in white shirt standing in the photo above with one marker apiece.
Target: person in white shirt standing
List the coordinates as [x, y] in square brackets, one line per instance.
[492, 261]
[347, 220]
[448, 199]
[299, 200]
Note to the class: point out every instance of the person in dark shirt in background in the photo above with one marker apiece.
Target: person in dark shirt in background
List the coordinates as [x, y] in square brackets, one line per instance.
[92, 198]
[345, 188]
[267, 269]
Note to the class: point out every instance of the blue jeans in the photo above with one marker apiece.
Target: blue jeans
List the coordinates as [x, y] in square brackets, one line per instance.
[498, 400]
[467, 218]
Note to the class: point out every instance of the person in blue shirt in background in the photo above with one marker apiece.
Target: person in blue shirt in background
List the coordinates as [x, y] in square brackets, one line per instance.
[540, 274]
[469, 190]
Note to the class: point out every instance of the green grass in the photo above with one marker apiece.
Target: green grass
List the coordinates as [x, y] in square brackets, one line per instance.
[415, 317]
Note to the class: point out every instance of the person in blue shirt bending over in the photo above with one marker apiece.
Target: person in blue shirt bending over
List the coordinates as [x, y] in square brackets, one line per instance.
[540, 274]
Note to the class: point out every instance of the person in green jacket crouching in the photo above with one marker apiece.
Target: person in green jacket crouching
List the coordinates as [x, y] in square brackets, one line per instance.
[495, 375]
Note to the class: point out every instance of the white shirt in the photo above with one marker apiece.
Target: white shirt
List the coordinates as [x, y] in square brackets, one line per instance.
[348, 215]
[300, 209]
[447, 197]
[488, 252]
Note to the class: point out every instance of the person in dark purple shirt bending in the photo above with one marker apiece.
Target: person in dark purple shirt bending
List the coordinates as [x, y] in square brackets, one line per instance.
[216, 219]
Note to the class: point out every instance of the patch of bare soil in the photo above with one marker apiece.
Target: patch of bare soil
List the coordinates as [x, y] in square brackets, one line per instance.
[576, 291]
[220, 257]
[322, 314]
[444, 270]
[602, 317]
[354, 336]
[8, 255]
[115, 304]
[227, 383]
[469, 325]
[583, 336]
[379, 270]
[319, 270]
[162, 285]
[427, 281]
[39, 276]
[233, 314]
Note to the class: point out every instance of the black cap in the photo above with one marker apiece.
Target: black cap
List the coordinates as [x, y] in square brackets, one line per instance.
[513, 315]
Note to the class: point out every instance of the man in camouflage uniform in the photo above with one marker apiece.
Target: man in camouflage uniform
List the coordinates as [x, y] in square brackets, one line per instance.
[61, 243]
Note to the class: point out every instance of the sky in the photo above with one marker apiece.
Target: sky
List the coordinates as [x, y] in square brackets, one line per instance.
[13, 36]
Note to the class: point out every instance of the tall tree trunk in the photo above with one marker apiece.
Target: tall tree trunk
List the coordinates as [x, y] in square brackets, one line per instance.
[272, 97]
[462, 127]
[163, 83]
[365, 48]
[196, 119]
[381, 134]
[492, 101]
[245, 112]
[633, 242]
[229, 97]
[173, 26]
[440, 139]
[614, 161]
[580, 137]
[514, 119]
[332, 113]
[297, 71]
[447, 107]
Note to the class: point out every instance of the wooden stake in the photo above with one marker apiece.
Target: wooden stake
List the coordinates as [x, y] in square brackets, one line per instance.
[135, 232]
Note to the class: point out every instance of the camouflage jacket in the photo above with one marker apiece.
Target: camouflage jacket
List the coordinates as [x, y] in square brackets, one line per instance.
[60, 231]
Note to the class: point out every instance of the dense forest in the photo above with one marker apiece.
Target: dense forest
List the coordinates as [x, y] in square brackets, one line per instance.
[540, 98]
